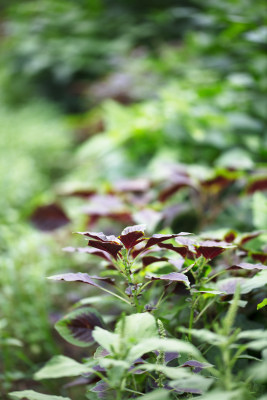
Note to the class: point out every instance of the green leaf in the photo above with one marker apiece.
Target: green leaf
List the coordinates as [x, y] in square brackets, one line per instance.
[159, 394]
[206, 336]
[172, 345]
[253, 334]
[195, 382]
[60, 366]
[262, 304]
[32, 395]
[77, 326]
[110, 341]
[170, 372]
[137, 327]
[256, 282]
[222, 395]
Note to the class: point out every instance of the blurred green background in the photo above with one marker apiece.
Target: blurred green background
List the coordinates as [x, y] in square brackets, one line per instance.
[93, 91]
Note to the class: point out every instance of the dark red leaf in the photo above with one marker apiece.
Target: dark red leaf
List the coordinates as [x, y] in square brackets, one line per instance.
[262, 257]
[182, 250]
[100, 236]
[147, 260]
[179, 183]
[132, 235]
[113, 248]
[256, 185]
[49, 217]
[210, 249]
[249, 236]
[217, 183]
[230, 236]
[158, 238]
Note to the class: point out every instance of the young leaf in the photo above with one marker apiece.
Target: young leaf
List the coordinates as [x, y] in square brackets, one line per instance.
[77, 326]
[106, 339]
[136, 327]
[61, 366]
[132, 235]
[32, 395]
[262, 304]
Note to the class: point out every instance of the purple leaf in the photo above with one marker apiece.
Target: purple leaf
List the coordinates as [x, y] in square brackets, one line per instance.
[76, 277]
[132, 185]
[94, 252]
[169, 356]
[172, 277]
[177, 263]
[196, 365]
[229, 285]
[132, 235]
[248, 266]
[101, 386]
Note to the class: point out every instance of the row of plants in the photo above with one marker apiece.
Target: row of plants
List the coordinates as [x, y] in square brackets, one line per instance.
[181, 321]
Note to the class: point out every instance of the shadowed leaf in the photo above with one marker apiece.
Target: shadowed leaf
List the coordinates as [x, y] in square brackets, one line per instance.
[49, 217]
[77, 326]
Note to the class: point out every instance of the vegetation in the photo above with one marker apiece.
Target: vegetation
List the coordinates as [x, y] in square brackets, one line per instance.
[145, 121]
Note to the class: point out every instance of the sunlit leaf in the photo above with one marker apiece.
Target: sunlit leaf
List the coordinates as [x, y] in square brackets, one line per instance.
[132, 235]
[171, 277]
[59, 367]
[32, 395]
[262, 304]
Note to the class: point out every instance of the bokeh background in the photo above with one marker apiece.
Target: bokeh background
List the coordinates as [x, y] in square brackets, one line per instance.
[99, 93]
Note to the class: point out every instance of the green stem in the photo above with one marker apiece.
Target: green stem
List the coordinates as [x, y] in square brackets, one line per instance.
[116, 295]
[203, 310]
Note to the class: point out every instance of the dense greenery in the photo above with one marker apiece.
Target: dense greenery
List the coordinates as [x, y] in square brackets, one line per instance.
[122, 113]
